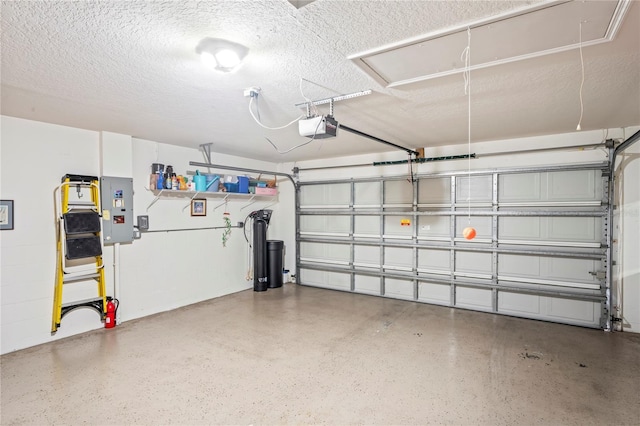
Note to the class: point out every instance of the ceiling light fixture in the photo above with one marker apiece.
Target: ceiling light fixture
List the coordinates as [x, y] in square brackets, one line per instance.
[221, 55]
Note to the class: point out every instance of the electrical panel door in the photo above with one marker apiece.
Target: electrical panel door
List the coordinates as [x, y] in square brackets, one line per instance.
[116, 195]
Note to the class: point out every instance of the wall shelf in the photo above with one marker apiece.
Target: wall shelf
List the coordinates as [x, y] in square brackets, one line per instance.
[172, 193]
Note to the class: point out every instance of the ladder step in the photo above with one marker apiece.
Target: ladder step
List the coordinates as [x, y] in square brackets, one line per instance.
[82, 203]
[82, 247]
[94, 303]
[73, 178]
[68, 278]
[81, 222]
[82, 302]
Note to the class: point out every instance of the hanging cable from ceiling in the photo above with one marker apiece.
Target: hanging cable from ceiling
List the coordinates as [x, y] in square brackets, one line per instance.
[295, 120]
[312, 107]
[469, 232]
[290, 149]
[311, 139]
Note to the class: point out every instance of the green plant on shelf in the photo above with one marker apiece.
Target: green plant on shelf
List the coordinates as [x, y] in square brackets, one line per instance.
[227, 229]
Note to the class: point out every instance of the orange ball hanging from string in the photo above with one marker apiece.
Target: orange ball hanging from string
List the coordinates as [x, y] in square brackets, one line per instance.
[469, 233]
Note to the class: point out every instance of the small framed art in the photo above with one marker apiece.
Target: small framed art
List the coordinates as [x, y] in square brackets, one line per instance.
[199, 207]
[6, 214]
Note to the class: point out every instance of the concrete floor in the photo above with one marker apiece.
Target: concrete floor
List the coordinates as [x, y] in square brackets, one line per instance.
[302, 355]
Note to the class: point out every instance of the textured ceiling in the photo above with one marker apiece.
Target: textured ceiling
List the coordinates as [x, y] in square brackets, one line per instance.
[130, 67]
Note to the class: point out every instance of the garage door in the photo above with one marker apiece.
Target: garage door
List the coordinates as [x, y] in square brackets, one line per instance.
[540, 251]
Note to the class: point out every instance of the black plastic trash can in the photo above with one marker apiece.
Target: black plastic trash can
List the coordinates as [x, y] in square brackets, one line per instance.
[275, 250]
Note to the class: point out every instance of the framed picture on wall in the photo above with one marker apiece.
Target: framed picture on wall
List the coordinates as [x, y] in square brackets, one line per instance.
[6, 214]
[199, 207]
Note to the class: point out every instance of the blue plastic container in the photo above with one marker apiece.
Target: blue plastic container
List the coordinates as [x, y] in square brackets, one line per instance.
[243, 184]
[231, 187]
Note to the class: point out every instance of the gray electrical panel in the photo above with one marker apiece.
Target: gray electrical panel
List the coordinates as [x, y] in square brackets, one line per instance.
[116, 199]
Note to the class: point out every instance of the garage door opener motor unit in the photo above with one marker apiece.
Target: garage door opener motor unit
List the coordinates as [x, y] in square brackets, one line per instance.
[320, 127]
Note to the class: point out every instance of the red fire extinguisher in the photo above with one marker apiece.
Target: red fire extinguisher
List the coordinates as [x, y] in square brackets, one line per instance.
[112, 308]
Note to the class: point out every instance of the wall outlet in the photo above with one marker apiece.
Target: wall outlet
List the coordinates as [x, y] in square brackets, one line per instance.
[251, 92]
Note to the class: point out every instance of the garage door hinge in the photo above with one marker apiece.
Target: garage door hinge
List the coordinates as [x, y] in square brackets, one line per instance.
[601, 275]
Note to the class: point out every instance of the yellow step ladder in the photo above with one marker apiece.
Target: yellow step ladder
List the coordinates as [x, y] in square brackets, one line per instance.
[79, 244]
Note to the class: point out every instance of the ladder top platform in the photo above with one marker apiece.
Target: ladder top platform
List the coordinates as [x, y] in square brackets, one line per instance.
[79, 178]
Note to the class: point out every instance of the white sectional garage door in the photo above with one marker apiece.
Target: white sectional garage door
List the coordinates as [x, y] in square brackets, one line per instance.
[540, 251]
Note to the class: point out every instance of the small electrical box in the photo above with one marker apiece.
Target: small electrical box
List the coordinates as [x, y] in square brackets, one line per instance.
[143, 223]
[116, 199]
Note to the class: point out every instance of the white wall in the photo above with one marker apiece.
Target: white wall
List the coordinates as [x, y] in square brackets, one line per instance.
[159, 272]
[165, 270]
[627, 233]
[35, 156]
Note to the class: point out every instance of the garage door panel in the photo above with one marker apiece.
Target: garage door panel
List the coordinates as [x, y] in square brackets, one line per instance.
[558, 309]
[572, 310]
[367, 193]
[366, 256]
[575, 185]
[519, 228]
[434, 191]
[399, 289]
[481, 189]
[574, 229]
[545, 268]
[330, 194]
[312, 195]
[439, 260]
[398, 258]
[482, 225]
[434, 226]
[519, 187]
[572, 269]
[367, 285]
[325, 252]
[312, 224]
[467, 261]
[434, 293]
[475, 298]
[325, 279]
[398, 192]
[325, 224]
[523, 266]
[367, 226]
[338, 224]
[518, 303]
[394, 228]
[551, 229]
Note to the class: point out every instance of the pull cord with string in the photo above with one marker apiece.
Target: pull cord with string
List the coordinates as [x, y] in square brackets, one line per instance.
[469, 232]
[579, 127]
